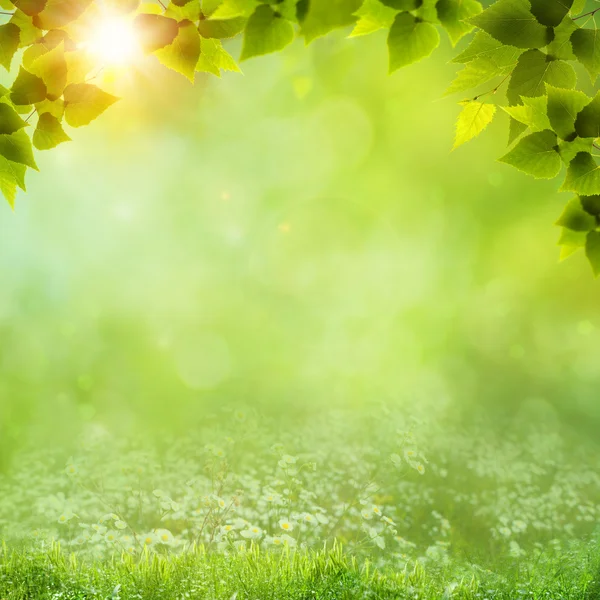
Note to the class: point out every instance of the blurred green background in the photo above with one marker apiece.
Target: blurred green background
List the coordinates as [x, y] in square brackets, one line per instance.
[296, 237]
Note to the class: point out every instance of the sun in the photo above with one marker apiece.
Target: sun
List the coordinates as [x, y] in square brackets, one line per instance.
[114, 41]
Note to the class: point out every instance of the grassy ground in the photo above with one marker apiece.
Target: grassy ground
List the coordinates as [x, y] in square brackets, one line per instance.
[289, 575]
[424, 514]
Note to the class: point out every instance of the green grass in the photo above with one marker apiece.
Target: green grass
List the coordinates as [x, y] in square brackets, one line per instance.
[289, 575]
[211, 516]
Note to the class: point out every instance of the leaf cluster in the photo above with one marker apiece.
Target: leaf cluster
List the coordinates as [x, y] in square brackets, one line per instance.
[530, 59]
[525, 57]
[533, 59]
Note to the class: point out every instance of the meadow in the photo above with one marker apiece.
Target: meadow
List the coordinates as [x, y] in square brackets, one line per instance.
[278, 342]
[244, 508]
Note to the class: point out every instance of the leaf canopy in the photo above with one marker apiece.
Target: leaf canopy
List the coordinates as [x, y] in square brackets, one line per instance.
[521, 56]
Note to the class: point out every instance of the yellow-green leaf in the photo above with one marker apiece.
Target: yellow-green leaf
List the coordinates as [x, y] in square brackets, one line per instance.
[473, 119]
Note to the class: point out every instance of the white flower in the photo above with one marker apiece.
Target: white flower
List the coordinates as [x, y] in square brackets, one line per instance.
[273, 498]
[108, 517]
[240, 523]
[367, 514]
[322, 518]
[288, 459]
[65, 518]
[515, 550]
[276, 540]
[310, 519]
[253, 533]
[164, 536]
[288, 540]
[519, 526]
[410, 454]
[110, 537]
[286, 525]
[71, 470]
[239, 415]
[101, 529]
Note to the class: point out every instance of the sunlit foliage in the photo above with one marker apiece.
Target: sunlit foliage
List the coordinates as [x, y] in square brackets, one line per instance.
[526, 52]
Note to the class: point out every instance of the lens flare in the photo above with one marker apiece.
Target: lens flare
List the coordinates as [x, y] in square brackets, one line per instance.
[114, 41]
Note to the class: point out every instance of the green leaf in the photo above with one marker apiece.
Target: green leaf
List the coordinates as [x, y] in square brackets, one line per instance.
[51, 68]
[586, 47]
[214, 58]
[372, 16]
[563, 108]
[84, 102]
[266, 32]
[515, 129]
[403, 4]
[592, 251]
[587, 124]
[550, 12]
[561, 46]
[58, 13]
[511, 22]
[410, 40]
[473, 119]
[453, 15]
[17, 148]
[10, 38]
[17, 171]
[183, 53]
[591, 204]
[29, 33]
[49, 133]
[12, 175]
[569, 150]
[27, 89]
[536, 155]
[534, 69]
[232, 9]
[221, 28]
[570, 242]
[427, 11]
[10, 121]
[475, 73]
[30, 7]
[578, 6]
[583, 176]
[184, 11]
[288, 9]
[326, 15]
[575, 218]
[485, 46]
[533, 113]
[155, 31]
